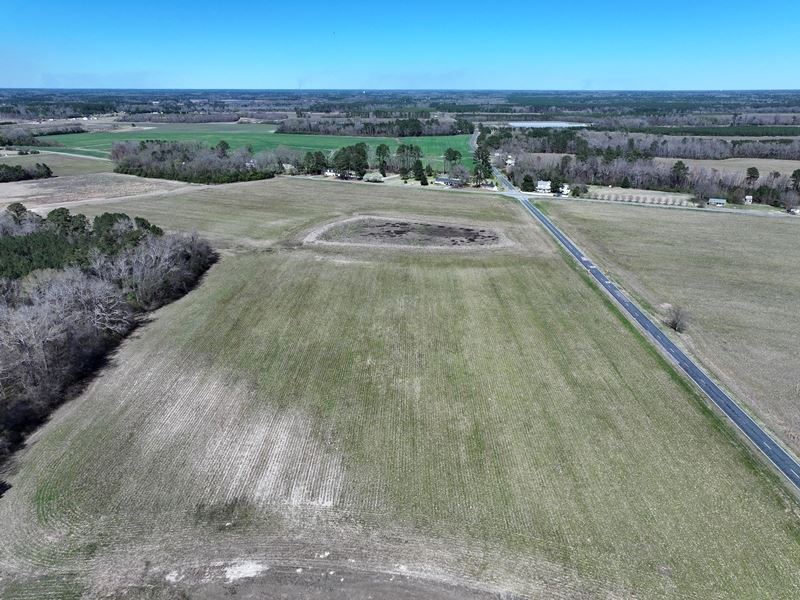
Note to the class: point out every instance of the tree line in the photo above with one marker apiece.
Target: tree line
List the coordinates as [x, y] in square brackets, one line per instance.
[60, 323]
[771, 188]
[21, 173]
[194, 162]
[632, 146]
[678, 120]
[410, 127]
[22, 136]
[148, 116]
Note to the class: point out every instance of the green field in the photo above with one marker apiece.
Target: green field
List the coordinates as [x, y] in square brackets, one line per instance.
[260, 137]
[483, 418]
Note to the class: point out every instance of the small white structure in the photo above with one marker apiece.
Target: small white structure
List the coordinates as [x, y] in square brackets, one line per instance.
[330, 173]
[565, 190]
[543, 187]
[717, 202]
[748, 199]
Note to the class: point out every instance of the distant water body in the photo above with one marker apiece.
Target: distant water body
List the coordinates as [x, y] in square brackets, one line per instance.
[543, 124]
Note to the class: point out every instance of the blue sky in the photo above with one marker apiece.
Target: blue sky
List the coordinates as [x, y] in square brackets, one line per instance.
[579, 45]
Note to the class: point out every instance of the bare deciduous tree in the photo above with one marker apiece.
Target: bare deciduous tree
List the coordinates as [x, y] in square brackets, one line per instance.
[59, 324]
[677, 318]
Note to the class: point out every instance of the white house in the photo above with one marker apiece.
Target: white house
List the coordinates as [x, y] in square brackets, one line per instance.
[543, 187]
[748, 199]
[717, 202]
[565, 190]
[448, 181]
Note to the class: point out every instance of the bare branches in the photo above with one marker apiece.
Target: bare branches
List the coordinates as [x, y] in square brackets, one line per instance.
[677, 318]
[59, 324]
[194, 162]
[158, 269]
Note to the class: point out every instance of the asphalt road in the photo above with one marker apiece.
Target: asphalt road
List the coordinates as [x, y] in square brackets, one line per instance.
[783, 461]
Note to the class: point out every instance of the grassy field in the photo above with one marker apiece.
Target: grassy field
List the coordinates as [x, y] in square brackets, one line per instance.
[260, 137]
[61, 164]
[738, 276]
[477, 418]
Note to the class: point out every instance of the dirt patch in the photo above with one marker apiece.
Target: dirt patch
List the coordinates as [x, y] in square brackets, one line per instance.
[402, 233]
[250, 579]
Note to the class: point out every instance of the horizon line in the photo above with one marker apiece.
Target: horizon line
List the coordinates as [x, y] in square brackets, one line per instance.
[389, 89]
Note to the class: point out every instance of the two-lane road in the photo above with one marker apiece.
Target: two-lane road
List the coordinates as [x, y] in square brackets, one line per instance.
[783, 461]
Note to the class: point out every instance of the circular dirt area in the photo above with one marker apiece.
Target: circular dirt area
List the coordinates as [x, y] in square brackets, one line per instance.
[404, 233]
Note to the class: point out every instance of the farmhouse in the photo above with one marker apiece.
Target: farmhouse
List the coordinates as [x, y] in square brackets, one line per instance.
[717, 202]
[448, 181]
[543, 187]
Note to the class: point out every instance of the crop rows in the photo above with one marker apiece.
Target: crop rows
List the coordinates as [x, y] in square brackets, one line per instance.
[479, 418]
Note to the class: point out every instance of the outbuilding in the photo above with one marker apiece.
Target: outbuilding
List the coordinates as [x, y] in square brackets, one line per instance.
[717, 202]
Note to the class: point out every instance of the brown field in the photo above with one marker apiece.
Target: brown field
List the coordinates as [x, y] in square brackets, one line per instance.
[733, 165]
[738, 276]
[344, 421]
[61, 164]
[87, 188]
[740, 165]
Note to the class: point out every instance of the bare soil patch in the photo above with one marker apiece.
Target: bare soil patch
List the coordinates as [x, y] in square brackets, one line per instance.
[404, 233]
[289, 581]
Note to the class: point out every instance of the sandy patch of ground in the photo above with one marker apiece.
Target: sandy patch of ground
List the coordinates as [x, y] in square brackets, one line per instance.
[244, 570]
[374, 231]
